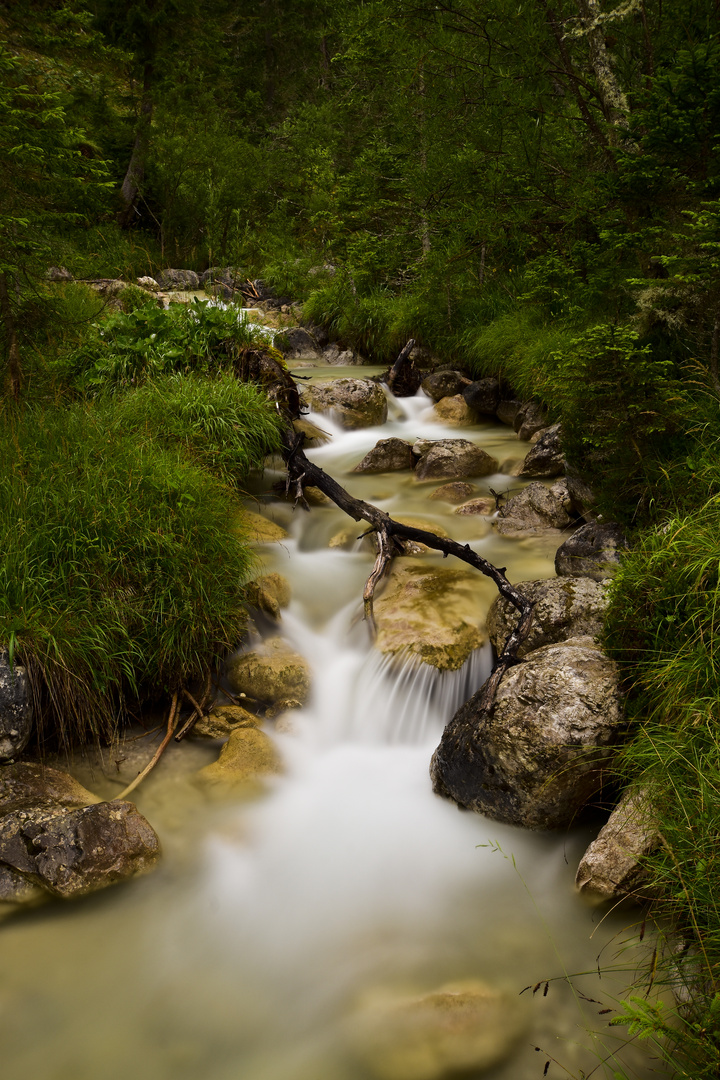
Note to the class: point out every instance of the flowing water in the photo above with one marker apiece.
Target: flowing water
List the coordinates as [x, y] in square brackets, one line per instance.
[245, 954]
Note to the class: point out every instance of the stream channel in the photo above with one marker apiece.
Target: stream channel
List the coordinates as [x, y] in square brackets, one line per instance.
[247, 953]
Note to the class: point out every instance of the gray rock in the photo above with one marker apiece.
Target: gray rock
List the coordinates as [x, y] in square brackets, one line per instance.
[582, 496]
[319, 333]
[297, 343]
[531, 417]
[507, 411]
[16, 714]
[453, 459]
[612, 867]
[355, 403]
[453, 493]
[483, 396]
[58, 273]
[593, 551]
[228, 276]
[388, 455]
[536, 507]
[72, 852]
[444, 384]
[546, 457]
[180, 279]
[564, 608]
[542, 753]
[148, 283]
[27, 785]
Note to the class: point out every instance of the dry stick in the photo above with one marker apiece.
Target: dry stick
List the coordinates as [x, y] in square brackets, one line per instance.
[158, 753]
[197, 709]
[388, 529]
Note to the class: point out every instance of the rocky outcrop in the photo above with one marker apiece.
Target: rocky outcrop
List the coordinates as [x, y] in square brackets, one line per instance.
[546, 457]
[612, 867]
[454, 411]
[187, 280]
[222, 721]
[57, 838]
[452, 459]
[444, 384]
[16, 714]
[461, 1028]
[535, 508]
[297, 343]
[594, 551]
[431, 613]
[246, 758]
[269, 593]
[270, 673]
[354, 403]
[542, 752]
[563, 608]
[388, 455]
[453, 493]
[483, 396]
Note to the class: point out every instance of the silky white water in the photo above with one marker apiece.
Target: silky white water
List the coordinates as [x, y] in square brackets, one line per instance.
[245, 954]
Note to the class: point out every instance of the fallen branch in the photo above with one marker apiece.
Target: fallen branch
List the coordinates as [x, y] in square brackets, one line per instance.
[198, 708]
[158, 753]
[397, 369]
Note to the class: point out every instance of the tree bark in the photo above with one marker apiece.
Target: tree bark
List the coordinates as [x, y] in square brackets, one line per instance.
[131, 185]
[612, 96]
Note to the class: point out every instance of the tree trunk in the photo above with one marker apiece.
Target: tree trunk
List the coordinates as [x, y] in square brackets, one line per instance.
[612, 96]
[131, 185]
[7, 315]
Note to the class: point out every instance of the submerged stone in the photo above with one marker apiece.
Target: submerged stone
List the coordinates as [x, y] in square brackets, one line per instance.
[261, 530]
[247, 757]
[454, 411]
[222, 721]
[269, 593]
[453, 493]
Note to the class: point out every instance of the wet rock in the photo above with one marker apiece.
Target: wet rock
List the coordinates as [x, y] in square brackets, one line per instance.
[450, 459]
[460, 1028]
[564, 608]
[16, 714]
[222, 721]
[546, 457]
[28, 785]
[426, 359]
[432, 613]
[269, 593]
[507, 411]
[72, 852]
[58, 273]
[595, 551]
[149, 284]
[535, 508]
[229, 277]
[531, 417]
[453, 493]
[613, 867]
[261, 530]
[483, 396]
[297, 343]
[388, 455]
[272, 672]
[354, 403]
[319, 333]
[454, 411]
[314, 435]
[247, 757]
[315, 497]
[543, 752]
[581, 495]
[338, 357]
[187, 280]
[477, 506]
[444, 384]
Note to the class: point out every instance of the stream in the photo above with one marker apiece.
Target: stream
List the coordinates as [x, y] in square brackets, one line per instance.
[248, 951]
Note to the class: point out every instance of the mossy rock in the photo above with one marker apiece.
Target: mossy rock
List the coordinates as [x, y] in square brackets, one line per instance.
[270, 673]
[247, 757]
[269, 593]
[222, 721]
[260, 530]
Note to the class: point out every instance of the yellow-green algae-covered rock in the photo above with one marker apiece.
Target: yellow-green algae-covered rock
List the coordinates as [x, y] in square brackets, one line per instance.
[434, 613]
[454, 411]
[272, 672]
[463, 1027]
[269, 593]
[247, 756]
[260, 530]
[222, 721]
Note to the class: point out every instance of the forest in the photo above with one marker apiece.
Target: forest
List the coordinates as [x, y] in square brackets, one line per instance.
[530, 189]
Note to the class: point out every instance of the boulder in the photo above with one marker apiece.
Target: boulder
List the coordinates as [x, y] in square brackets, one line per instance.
[461, 1028]
[564, 608]
[507, 411]
[261, 530]
[149, 284]
[483, 396]
[546, 457]
[338, 357]
[388, 455]
[16, 714]
[454, 411]
[247, 757]
[594, 551]
[535, 508]
[270, 673]
[354, 403]
[453, 493]
[444, 384]
[314, 436]
[434, 614]
[228, 276]
[70, 852]
[28, 785]
[319, 333]
[187, 280]
[297, 343]
[612, 867]
[426, 359]
[222, 721]
[477, 506]
[538, 757]
[58, 273]
[581, 495]
[269, 593]
[530, 417]
[451, 459]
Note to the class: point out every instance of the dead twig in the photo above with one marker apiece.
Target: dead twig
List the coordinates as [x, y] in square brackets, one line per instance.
[158, 753]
